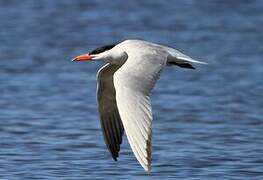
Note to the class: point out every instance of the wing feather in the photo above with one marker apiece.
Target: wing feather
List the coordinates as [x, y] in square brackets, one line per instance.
[111, 124]
[133, 83]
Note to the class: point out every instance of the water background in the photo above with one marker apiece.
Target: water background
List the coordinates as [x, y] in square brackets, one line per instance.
[207, 123]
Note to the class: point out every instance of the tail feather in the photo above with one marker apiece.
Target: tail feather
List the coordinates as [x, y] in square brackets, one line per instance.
[188, 59]
[182, 61]
[182, 65]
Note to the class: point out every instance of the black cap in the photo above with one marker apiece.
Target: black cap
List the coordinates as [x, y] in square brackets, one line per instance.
[102, 49]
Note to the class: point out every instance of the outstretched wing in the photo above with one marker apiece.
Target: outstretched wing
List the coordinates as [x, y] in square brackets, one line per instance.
[109, 116]
[133, 83]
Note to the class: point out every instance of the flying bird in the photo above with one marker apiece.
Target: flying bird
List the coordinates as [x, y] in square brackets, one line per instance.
[124, 84]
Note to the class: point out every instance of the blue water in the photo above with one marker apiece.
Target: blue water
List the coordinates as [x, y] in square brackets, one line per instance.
[207, 123]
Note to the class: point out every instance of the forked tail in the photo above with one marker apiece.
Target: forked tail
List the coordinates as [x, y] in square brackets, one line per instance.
[182, 61]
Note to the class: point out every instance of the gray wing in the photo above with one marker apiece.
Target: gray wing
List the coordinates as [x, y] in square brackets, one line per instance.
[111, 124]
[133, 83]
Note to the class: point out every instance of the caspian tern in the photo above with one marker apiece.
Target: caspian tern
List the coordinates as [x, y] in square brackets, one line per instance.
[124, 84]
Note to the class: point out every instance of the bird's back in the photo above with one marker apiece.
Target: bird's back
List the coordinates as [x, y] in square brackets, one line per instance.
[144, 51]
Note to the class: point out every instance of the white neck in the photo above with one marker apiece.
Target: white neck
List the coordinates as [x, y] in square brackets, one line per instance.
[114, 56]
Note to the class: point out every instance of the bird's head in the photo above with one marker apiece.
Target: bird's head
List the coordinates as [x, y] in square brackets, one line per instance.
[99, 53]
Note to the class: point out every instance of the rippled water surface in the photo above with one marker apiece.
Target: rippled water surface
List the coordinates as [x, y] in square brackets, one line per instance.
[207, 123]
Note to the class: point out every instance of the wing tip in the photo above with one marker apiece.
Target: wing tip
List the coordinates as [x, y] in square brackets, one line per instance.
[115, 155]
[115, 158]
[147, 168]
